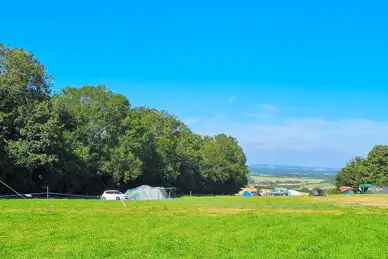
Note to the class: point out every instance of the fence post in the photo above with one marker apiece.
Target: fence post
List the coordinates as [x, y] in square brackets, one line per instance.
[47, 197]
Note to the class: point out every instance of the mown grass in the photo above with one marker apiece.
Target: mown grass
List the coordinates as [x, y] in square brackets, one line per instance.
[197, 227]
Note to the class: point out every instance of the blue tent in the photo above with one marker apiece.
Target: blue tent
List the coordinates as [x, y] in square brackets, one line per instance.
[246, 194]
[348, 192]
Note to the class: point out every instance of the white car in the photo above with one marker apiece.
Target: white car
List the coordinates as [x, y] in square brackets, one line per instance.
[113, 195]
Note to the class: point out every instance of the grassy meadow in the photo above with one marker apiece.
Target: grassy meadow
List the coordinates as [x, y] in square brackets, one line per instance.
[197, 227]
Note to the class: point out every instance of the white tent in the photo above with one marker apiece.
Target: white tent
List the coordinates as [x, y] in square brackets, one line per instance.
[146, 192]
[294, 193]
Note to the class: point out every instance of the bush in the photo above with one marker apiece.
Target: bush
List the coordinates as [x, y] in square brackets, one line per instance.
[317, 192]
[332, 191]
[304, 189]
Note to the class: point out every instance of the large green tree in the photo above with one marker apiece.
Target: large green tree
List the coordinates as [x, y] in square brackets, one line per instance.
[372, 169]
[353, 174]
[166, 146]
[83, 140]
[223, 165]
[30, 129]
[93, 134]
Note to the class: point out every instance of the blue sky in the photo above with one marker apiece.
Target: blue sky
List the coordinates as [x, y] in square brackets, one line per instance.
[297, 82]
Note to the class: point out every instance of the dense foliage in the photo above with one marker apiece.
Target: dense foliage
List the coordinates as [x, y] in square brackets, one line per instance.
[372, 169]
[83, 140]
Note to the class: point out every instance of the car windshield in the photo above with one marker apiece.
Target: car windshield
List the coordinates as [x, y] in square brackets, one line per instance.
[113, 192]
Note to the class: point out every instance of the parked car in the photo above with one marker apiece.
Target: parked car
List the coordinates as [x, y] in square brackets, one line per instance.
[113, 195]
[280, 192]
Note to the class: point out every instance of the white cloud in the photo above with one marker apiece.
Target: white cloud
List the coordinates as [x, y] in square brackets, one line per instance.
[232, 99]
[267, 107]
[263, 112]
[192, 121]
[304, 141]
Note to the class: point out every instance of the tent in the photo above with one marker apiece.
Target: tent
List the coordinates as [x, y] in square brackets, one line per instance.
[294, 193]
[364, 187]
[378, 190]
[246, 194]
[266, 192]
[348, 192]
[343, 189]
[250, 190]
[146, 192]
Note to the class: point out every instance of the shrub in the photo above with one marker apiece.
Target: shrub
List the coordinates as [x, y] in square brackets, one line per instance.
[317, 192]
[332, 191]
[304, 189]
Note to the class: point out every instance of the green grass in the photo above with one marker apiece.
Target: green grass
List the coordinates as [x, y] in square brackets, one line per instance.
[203, 227]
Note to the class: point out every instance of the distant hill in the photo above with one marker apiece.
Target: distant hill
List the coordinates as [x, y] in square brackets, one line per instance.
[292, 170]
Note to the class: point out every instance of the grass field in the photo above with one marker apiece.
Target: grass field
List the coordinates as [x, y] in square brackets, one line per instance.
[197, 227]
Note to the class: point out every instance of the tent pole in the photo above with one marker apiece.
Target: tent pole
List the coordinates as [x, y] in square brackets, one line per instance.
[6, 185]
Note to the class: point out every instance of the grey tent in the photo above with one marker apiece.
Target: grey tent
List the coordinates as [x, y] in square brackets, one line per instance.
[377, 190]
[364, 187]
[146, 192]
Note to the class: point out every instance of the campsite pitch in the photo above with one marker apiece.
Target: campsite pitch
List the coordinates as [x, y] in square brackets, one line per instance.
[206, 227]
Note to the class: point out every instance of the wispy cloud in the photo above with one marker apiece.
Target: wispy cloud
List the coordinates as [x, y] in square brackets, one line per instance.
[267, 107]
[314, 141]
[232, 99]
[192, 121]
[262, 111]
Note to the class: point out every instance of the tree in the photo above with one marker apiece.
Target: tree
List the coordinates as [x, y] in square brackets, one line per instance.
[304, 189]
[317, 192]
[372, 169]
[223, 165]
[94, 118]
[168, 149]
[83, 140]
[22, 79]
[353, 174]
[377, 163]
[39, 131]
[29, 129]
[332, 191]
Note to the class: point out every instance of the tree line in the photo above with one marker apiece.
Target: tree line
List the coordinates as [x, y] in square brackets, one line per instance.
[84, 140]
[372, 169]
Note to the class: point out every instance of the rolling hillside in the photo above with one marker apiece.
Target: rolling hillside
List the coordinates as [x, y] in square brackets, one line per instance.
[272, 176]
[292, 170]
